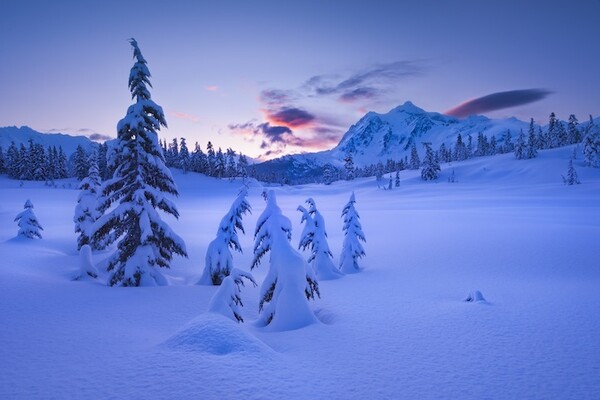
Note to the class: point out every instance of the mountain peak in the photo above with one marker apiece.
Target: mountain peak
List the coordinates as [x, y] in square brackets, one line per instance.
[408, 107]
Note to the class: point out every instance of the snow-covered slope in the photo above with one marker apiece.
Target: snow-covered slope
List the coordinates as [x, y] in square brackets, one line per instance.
[397, 330]
[23, 134]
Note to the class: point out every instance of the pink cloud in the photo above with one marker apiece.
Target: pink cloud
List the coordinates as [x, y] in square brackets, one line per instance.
[182, 115]
[212, 88]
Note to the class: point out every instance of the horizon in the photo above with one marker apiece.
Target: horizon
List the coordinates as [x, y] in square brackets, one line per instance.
[217, 82]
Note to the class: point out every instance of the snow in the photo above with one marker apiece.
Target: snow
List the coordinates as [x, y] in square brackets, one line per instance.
[399, 329]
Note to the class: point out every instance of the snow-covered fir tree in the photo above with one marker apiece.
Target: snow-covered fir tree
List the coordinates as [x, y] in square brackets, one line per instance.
[415, 162]
[29, 226]
[227, 301]
[521, 147]
[460, 150]
[431, 166]
[591, 145]
[531, 147]
[397, 181]
[86, 270]
[349, 167]
[219, 259]
[352, 248]
[329, 174]
[290, 282]
[139, 189]
[574, 136]
[79, 164]
[86, 211]
[314, 238]
[184, 156]
[571, 178]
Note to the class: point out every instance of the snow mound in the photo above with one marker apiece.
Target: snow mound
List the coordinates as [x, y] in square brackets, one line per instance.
[214, 334]
[475, 297]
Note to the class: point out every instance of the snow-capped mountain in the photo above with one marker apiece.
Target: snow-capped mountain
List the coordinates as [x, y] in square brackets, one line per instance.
[382, 136]
[379, 137]
[23, 134]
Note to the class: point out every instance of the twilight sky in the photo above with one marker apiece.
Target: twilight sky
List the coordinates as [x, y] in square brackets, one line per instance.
[275, 77]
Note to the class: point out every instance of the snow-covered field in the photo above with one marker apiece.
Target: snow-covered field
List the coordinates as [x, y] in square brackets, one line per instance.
[398, 330]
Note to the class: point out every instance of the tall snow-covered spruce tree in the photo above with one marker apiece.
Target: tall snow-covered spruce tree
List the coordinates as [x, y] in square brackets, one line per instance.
[29, 226]
[314, 238]
[138, 190]
[352, 249]
[86, 212]
[219, 260]
[290, 282]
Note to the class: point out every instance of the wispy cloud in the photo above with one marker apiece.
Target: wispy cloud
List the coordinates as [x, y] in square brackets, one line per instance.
[186, 116]
[498, 101]
[212, 88]
[99, 137]
[291, 117]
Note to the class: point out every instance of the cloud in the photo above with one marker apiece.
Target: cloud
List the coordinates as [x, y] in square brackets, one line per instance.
[498, 101]
[358, 94]
[98, 137]
[275, 138]
[291, 117]
[365, 84]
[212, 88]
[186, 116]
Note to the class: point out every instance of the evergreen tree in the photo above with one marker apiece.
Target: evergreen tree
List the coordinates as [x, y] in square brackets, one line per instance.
[591, 145]
[431, 166]
[172, 155]
[531, 147]
[102, 158]
[493, 150]
[86, 212]
[227, 301]
[184, 156]
[230, 169]
[210, 159]
[552, 136]
[314, 238]
[415, 162]
[509, 146]
[242, 166]
[29, 226]
[352, 249]
[571, 178]
[199, 162]
[469, 146]
[521, 147]
[80, 165]
[219, 260]
[574, 134]
[398, 178]
[13, 161]
[328, 174]
[349, 167]
[138, 187]
[290, 282]
[2, 161]
[219, 170]
[61, 167]
[460, 150]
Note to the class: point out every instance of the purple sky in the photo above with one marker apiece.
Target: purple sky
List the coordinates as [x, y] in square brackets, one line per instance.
[274, 77]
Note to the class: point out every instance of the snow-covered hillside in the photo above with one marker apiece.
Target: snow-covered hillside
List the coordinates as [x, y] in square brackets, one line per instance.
[397, 330]
[23, 134]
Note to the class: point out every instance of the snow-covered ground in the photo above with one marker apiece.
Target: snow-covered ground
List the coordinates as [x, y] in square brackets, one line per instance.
[398, 330]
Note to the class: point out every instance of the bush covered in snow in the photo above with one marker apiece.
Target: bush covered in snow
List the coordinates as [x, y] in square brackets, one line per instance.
[228, 301]
[290, 282]
[219, 260]
[29, 226]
